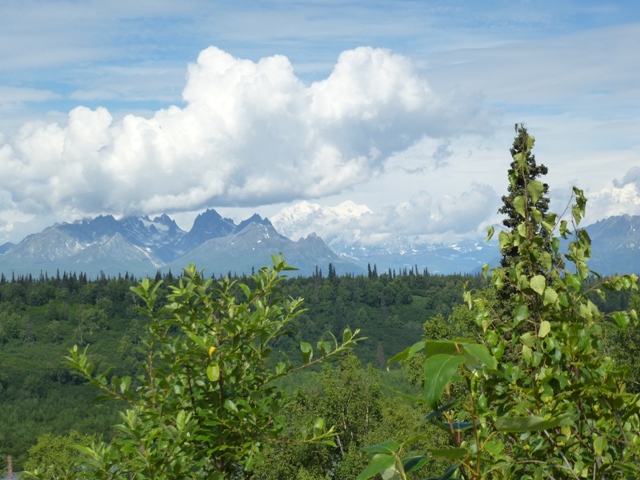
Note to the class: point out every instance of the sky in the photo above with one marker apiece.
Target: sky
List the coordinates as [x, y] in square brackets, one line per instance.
[405, 108]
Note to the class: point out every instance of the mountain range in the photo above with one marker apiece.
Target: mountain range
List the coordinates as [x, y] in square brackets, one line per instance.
[142, 246]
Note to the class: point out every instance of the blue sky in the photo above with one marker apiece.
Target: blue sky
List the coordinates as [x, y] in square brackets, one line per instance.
[122, 107]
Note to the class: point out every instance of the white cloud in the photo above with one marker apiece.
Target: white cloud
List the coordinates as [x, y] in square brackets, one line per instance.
[450, 217]
[251, 133]
[461, 214]
[621, 197]
[13, 95]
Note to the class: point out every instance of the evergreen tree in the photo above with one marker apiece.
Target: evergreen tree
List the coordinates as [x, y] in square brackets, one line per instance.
[523, 171]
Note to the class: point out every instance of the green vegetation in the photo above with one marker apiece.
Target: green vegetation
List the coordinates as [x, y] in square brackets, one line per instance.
[42, 318]
[55, 457]
[537, 394]
[206, 405]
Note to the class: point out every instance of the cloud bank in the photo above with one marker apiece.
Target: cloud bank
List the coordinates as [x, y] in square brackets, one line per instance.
[250, 133]
[421, 217]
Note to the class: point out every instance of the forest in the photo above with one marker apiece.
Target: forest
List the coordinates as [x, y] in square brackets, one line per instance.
[525, 371]
[42, 318]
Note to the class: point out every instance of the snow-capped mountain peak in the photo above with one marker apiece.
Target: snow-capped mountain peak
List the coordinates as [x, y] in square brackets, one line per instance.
[304, 218]
[349, 209]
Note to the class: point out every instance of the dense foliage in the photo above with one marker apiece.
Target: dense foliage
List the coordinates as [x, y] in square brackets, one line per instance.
[41, 318]
[207, 403]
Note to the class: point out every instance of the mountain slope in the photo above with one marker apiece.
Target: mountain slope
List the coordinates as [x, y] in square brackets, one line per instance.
[252, 247]
[209, 224]
[615, 242]
[5, 247]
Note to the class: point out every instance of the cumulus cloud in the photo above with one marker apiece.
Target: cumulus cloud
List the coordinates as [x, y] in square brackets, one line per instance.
[420, 217]
[621, 197]
[250, 133]
[631, 177]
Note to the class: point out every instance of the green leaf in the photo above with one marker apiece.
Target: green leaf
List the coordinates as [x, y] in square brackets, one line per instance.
[521, 312]
[519, 204]
[535, 189]
[622, 319]
[531, 141]
[213, 372]
[573, 280]
[307, 352]
[201, 342]
[181, 420]
[550, 296]
[450, 453]
[324, 347]
[537, 284]
[245, 289]
[600, 444]
[490, 232]
[505, 239]
[450, 347]
[319, 427]
[520, 159]
[230, 405]
[528, 339]
[533, 423]
[455, 426]
[389, 447]
[406, 353]
[414, 463]
[379, 463]
[346, 335]
[481, 353]
[466, 296]
[526, 353]
[577, 213]
[495, 449]
[391, 473]
[124, 386]
[438, 372]
[545, 328]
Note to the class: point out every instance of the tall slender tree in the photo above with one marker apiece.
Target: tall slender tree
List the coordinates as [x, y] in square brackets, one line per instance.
[516, 204]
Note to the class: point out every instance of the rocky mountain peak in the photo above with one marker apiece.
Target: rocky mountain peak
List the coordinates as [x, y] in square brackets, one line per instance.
[255, 218]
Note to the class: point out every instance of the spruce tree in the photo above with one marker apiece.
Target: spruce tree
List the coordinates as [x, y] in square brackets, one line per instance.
[523, 171]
